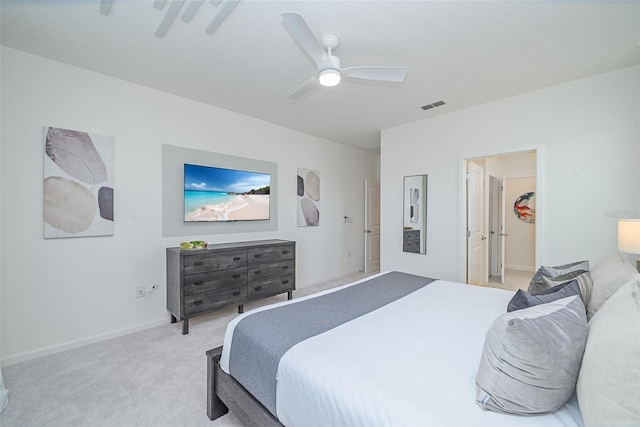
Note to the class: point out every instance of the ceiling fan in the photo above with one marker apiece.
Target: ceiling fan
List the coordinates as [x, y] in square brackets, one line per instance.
[329, 71]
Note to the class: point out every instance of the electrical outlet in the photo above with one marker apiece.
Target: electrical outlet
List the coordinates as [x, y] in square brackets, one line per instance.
[140, 292]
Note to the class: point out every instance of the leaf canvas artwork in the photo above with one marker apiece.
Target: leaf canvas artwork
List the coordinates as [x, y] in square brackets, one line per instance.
[308, 191]
[78, 184]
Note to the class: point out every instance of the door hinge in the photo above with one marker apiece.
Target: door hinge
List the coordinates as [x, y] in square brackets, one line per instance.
[468, 233]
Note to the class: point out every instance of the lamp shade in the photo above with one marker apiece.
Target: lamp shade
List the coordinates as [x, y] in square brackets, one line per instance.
[629, 235]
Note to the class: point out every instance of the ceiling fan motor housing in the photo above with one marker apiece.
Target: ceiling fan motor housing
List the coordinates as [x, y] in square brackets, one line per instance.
[330, 41]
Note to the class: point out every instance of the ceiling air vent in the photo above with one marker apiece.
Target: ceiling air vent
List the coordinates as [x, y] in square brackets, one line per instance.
[433, 105]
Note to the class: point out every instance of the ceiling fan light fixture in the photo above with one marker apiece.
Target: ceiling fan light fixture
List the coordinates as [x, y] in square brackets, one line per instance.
[329, 78]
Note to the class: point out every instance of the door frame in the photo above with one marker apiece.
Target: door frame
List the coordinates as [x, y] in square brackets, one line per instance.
[462, 202]
[370, 183]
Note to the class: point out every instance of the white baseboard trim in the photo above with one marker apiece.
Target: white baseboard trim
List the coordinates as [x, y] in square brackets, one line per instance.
[520, 268]
[46, 351]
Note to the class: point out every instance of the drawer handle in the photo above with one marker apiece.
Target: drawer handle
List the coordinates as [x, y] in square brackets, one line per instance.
[285, 252]
[258, 288]
[198, 302]
[284, 267]
[198, 263]
[258, 272]
[258, 255]
[198, 283]
[284, 282]
[236, 276]
[236, 258]
[236, 293]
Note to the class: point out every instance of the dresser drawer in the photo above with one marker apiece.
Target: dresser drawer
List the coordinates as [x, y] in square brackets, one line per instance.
[269, 270]
[413, 247]
[204, 301]
[203, 282]
[271, 286]
[204, 261]
[270, 254]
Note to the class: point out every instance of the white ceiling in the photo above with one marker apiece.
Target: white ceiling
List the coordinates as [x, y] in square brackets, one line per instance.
[465, 53]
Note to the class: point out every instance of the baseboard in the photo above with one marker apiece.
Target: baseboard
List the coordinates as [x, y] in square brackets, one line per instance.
[58, 348]
[526, 268]
[46, 351]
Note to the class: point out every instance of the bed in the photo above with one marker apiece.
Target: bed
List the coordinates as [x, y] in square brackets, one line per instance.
[391, 349]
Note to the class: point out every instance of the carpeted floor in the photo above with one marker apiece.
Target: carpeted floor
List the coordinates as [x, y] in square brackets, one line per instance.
[513, 280]
[155, 377]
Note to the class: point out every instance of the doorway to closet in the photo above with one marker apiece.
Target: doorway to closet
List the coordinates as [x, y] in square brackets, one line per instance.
[501, 219]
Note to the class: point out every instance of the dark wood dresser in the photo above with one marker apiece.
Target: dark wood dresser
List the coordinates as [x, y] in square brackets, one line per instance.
[200, 281]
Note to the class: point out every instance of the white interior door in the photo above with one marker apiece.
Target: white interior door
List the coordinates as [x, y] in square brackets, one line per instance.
[372, 227]
[476, 260]
[503, 227]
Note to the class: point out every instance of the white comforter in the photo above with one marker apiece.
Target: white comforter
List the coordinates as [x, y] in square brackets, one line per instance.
[411, 362]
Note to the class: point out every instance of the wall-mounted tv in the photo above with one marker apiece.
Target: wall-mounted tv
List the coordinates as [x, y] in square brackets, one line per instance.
[214, 194]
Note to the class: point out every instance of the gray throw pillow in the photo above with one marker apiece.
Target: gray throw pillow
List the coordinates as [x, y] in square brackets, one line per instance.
[608, 276]
[584, 283]
[609, 383]
[564, 272]
[522, 299]
[532, 357]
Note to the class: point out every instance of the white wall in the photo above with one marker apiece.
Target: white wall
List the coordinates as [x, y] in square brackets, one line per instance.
[4, 394]
[588, 134]
[514, 165]
[59, 293]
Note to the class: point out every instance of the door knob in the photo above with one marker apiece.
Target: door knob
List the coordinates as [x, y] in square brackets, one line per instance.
[484, 237]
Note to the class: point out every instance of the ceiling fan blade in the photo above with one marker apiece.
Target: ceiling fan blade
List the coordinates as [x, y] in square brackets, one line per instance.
[306, 39]
[224, 10]
[306, 87]
[169, 17]
[190, 10]
[105, 7]
[378, 73]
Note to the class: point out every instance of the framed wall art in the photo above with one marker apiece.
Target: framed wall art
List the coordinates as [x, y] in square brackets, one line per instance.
[78, 184]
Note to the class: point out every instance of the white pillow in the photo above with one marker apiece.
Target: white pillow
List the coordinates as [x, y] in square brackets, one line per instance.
[609, 382]
[607, 277]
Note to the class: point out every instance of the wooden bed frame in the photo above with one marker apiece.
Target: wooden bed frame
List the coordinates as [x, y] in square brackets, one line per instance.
[224, 393]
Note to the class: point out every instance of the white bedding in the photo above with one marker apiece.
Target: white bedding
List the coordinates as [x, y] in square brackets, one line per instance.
[411, 362]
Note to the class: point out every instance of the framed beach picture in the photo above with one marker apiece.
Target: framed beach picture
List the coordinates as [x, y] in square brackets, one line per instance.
[214, 194]
[308, 197]
[78, 184]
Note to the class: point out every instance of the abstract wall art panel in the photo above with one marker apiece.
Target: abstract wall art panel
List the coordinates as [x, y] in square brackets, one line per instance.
[308, 197]
[78, 184]
[525, 207]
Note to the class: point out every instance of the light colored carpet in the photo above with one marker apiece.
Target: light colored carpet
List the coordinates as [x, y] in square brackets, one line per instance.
[513, 280]
[155, 377]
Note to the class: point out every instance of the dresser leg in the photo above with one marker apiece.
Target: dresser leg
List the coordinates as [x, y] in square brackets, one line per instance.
[173, 319]
[185, 326]
[290, 295]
